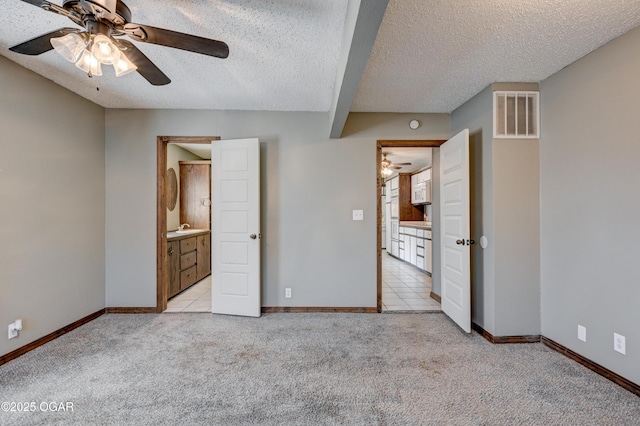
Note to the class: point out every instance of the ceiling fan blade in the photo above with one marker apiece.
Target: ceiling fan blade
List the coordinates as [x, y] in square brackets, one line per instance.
[110, 7]
[42, 43]
[191, 43]
[146, 68]
[393, 166]
[401, 164]
[40, 3]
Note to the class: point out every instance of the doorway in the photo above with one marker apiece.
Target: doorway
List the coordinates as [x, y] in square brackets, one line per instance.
[388, 265]
[162, 248]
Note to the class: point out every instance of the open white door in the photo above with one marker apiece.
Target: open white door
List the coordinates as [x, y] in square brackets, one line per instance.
[235, 217]
[455, 229]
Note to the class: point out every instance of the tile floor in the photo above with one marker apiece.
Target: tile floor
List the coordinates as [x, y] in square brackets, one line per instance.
[405, 288]
[196, 298]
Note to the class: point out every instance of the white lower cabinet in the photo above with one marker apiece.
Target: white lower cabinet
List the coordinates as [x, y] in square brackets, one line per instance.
[414, 251]
[414, 246]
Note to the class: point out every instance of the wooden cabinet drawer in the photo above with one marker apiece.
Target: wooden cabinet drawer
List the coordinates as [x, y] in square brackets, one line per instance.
[420, 262]
[188, 244]
[420, 233]
[412, 231]
[187, 277]
[427, 234]
[420, 251]
[420, 242]
[188, 260]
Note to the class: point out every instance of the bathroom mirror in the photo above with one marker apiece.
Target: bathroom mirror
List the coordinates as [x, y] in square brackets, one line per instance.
[172, 189]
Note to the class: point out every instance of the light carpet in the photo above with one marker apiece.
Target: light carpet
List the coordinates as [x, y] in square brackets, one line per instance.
[303, 369]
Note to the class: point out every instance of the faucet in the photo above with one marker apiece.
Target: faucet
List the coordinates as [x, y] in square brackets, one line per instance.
[181, 227]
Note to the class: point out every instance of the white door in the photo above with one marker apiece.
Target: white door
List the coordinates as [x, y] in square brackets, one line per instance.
[454, 230]
[235, 217]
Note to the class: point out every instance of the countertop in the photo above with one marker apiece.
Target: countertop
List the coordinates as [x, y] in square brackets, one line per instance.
[416, 224]
[174, 235]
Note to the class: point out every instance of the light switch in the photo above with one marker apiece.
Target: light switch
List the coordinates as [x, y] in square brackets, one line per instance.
[358, 215]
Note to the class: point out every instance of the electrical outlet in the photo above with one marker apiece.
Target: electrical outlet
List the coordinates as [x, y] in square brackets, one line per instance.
[358, 215]
[287, 293]
[619, 343]
[582, 333]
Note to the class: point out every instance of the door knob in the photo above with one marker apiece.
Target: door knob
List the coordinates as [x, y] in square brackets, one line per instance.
[460, 242]
[253, 236]
[470, 242]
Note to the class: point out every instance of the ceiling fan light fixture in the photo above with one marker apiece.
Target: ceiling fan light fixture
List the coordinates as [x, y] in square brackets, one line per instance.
[386, 171]
[104, 50]
[123, 66]
[70, 46]
[89, 64]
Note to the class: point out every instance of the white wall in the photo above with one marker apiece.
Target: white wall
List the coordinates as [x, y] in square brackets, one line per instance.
[310, 185]
[589, 160]
[52, 205]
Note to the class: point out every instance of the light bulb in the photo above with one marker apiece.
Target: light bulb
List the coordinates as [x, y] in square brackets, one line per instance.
[89, 64]
[104, 50]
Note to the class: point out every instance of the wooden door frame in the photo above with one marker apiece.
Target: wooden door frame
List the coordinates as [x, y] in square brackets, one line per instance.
[384, 143]
[162, 277]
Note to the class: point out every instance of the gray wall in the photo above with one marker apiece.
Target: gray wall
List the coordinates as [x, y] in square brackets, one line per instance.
[589, 217]
[310, 185]
[52, 208]
[516, 208]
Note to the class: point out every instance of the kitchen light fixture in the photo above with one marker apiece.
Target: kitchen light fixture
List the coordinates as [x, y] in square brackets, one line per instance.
[90, 55]
[386, 171]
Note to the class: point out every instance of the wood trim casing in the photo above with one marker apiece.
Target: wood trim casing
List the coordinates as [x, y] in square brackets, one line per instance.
[505, 339]
[603, 371]
[162, 272]
[316, 309]
[435, 297]
[49, 337]
[384, 143]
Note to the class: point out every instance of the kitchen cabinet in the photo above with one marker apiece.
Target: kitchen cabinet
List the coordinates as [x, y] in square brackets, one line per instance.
[195, 193]
[415, 247]
[407, 211]
[203, 256]
[189, 260]
[173, 259]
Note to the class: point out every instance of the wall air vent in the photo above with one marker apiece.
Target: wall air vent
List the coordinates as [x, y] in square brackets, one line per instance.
[516, 115]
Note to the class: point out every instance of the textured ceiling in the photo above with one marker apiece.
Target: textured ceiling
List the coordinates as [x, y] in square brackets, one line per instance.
[429, 55]
[283, 54]
[432, 56]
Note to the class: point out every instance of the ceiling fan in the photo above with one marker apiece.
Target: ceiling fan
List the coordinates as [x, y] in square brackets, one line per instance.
[388, 165]
[104, 23]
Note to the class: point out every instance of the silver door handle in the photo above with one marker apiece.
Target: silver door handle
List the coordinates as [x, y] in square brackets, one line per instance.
[253, 236]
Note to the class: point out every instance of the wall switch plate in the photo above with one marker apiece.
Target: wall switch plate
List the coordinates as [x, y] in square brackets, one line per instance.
[582, 333]
[287, 293]
[358, 215]
[13, 331]
[619, 343]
